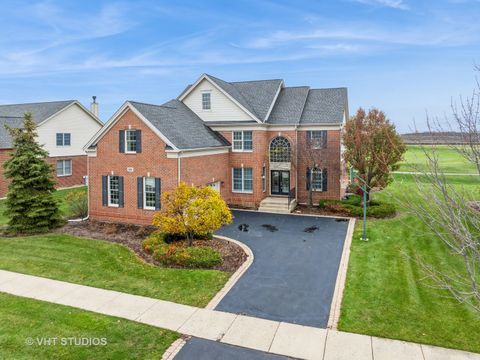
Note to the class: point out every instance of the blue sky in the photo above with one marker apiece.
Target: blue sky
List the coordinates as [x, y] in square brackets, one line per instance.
[405, 57]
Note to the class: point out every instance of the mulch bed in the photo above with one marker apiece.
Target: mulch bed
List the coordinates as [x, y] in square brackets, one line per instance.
[132, 236]
[315, 210]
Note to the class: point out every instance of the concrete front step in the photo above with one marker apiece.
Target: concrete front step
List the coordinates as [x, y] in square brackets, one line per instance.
[277, 205]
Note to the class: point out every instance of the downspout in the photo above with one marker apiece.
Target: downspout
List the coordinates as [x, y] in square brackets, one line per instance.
[179, 163]
[296, 162]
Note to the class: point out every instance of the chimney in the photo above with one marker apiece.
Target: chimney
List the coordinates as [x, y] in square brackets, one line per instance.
[94, 106]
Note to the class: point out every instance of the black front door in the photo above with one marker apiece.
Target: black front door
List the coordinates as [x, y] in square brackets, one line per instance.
[280, 182]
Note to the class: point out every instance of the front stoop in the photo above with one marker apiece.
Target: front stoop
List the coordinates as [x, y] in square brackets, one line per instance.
[279, 205]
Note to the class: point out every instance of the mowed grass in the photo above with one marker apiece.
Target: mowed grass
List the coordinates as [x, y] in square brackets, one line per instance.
[106, 265]
[386, 294]
[450, 160]
[22, 319]
[60, 195]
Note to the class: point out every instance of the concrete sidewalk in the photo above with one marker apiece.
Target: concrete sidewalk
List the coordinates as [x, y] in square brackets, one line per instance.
[265, 335]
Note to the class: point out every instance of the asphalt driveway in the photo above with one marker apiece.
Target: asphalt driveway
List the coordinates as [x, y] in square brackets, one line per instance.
[293, 275]
[292, 278]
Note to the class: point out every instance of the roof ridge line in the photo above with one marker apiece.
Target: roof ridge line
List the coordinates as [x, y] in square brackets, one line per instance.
[304, 105]
[39, 102]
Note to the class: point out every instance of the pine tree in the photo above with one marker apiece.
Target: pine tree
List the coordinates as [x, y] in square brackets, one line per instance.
[31, 206]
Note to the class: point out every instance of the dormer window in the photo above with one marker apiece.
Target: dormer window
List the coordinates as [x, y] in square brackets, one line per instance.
[206, 104]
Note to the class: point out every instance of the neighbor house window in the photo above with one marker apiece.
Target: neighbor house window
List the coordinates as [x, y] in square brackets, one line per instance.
[149, 193]
[318, 139]
[64, 167]
[113, 191]
[242, 140]
[63, 139]
[242, 180]
[316, 180]
[206, 103]
[264, 178]
[130, 141]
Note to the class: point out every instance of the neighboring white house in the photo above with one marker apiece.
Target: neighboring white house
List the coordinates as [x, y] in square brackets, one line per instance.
[64, 127]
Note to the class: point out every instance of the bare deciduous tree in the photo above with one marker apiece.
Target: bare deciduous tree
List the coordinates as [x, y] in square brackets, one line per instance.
[449, 210]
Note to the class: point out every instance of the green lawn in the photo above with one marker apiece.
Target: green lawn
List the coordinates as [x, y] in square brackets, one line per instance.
[385, 295]
[451, 161]
[60, 195]
[106, 265]
[22, 319]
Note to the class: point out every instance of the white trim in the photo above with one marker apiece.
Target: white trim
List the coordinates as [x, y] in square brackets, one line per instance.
[63, 167]
[242, 141]
[273, 127]
[206, 77]
[108, 192]
[113, 120]
[126, 142]
[274, 101]
[243, 191]
[196, 152]
[145, 207]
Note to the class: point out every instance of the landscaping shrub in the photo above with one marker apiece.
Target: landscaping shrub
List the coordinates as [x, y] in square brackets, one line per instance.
[352, 206]
[178, 254]
[78, 203]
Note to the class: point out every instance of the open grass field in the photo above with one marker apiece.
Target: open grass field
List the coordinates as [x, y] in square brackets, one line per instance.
[386, 294]
[60, 195]
[450, 160]
[22, 319]
[107, 265]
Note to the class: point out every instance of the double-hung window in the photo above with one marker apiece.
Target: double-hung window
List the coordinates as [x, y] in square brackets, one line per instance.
[149, 193]
[242, 140]
[316, 180]
[242, 180]
[318, 139]
[113, 191]
[64, 167]
[130, 141]
[63, 139]
[206, 101]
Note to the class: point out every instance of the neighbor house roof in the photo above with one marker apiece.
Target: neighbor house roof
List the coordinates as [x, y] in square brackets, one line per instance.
[180, 125]
[12, 115]
[272, 103]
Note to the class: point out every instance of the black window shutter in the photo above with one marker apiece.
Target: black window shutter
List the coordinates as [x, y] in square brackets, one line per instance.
[324, 145]
[324, 179]
[121, 201]
[104, 190]
[309, 136]
[138, 134]
[121, 141]
[140, 192]
[158, 192]
[308, 178]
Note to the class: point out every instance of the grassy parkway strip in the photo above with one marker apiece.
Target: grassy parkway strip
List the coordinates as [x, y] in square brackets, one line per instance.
[254, 333]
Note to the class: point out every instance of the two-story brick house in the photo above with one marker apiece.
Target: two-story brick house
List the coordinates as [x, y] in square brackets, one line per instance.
[259, 143]
[63, 127]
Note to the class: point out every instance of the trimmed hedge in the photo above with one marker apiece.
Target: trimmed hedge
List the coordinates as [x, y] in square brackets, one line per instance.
[178, 254]
[352, 206]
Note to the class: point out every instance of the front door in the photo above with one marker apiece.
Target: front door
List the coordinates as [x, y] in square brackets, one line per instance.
[280, 182]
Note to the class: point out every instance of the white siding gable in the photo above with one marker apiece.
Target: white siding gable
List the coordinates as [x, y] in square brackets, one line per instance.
[222, 108]
[73, 120]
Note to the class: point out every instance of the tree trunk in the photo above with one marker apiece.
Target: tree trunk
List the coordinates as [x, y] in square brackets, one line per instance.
[310, 197]
[189, 239]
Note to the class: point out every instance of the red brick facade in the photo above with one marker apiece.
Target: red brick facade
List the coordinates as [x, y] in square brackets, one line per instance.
[199, 170]
[79, 170]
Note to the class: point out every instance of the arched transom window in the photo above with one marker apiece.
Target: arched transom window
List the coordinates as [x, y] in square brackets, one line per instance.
[280, 150]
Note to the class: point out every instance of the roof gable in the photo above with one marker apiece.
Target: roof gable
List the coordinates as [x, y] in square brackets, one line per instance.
[289, 105]
[325, 106]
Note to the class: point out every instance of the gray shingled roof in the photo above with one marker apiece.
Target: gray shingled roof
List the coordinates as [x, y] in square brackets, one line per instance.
[256, 96]
[289, 105]
[180, 125]
[324, 106]
[12, 115]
